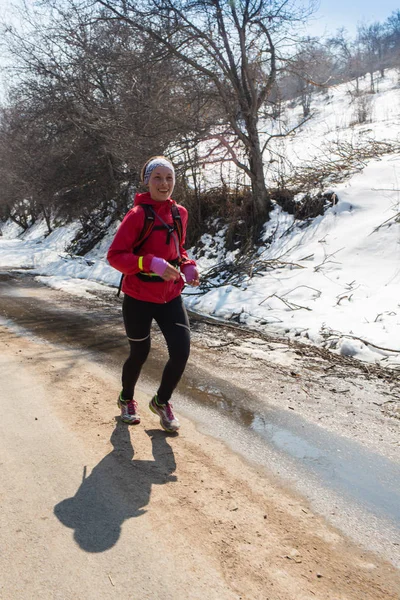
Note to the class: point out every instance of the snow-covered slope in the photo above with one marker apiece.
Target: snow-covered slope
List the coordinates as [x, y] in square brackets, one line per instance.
[338, 278]
[341, 280]
[336, 114]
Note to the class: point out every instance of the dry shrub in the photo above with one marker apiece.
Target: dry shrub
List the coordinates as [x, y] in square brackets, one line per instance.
[362, 112]
[230, 207]
[308, 207]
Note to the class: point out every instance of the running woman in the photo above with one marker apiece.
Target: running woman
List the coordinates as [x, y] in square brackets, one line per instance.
[148, 250]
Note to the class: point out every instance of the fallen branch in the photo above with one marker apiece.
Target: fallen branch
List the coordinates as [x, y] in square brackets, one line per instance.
[354, 337]
[395, 218]
[235, 273]
[326, 261]
[290, 305]
[336, 334]
[304, 286]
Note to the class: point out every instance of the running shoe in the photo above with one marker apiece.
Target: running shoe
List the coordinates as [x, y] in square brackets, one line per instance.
[129, 411]
[167, 419]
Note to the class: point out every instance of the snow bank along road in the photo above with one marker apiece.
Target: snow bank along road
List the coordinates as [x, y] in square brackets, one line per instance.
[92, 508]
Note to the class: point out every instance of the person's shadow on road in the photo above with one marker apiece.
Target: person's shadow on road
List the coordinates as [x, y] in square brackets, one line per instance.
[117, 489]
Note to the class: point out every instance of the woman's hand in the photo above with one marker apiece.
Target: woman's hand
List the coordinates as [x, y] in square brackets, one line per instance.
[163, 269]
[191, 275]
[170, 273]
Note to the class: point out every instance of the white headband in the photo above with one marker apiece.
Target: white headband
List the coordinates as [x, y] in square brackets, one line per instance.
[156, 162]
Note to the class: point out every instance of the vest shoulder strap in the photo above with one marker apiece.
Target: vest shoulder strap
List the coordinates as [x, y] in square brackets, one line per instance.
[148, 225]
[176, 215]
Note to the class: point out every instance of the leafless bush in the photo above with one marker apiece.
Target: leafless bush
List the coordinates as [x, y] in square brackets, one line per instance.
[338, 161]
[362, 109]
[308, 207]
[236, 273]
[232, 205]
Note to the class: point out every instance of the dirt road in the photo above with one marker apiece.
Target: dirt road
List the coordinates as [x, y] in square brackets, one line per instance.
[92, 508]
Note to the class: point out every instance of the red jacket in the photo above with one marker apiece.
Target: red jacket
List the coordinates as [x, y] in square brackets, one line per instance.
[120, 254]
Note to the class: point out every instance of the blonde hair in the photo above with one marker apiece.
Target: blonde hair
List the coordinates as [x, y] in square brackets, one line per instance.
[149, 160]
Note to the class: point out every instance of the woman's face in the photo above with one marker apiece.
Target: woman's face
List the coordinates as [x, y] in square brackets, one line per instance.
[161, 183]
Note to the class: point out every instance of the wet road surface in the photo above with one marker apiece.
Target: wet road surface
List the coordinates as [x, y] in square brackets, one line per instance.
[338, 476]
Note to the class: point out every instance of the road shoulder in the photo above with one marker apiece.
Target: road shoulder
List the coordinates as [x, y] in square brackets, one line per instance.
[219, 527]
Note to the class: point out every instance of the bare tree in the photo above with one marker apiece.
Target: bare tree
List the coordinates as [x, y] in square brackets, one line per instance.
[372, 41]
[309, 70]
[348, 52]
[234, 49]
[89, 102]
[392, 31]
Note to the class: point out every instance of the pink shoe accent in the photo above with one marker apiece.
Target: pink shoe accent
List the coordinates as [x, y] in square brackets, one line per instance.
[129, 411]
[168, 420]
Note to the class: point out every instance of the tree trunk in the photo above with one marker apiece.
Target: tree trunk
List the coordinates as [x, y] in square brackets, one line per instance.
[261, 201]
[19, 220]
[371, 77]
[47, 218]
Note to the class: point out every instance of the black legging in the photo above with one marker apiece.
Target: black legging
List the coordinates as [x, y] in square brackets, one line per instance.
[174, 324]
